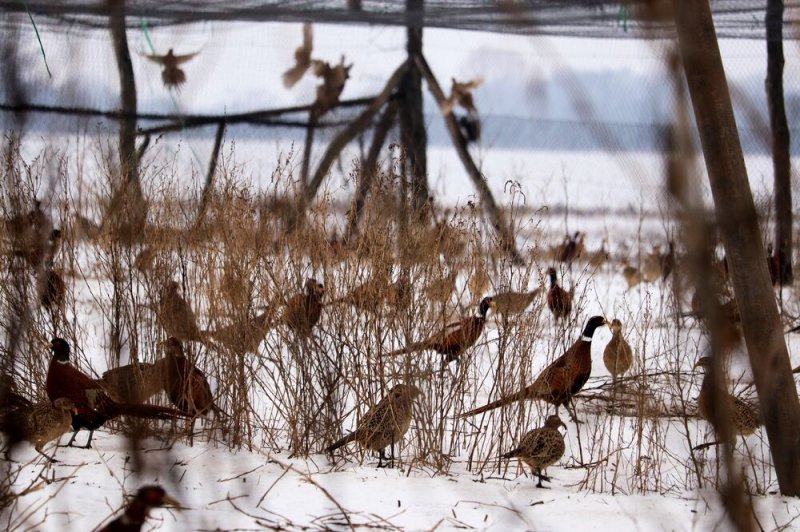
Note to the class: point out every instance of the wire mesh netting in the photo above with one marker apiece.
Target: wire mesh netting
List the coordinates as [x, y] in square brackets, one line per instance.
[297, 332]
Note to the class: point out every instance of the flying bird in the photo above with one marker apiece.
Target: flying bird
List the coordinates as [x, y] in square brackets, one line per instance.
[171, 74]
[302, 58]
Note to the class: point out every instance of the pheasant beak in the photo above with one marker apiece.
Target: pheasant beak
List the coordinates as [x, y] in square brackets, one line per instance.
[172, 503]
[74, 411]
[493, 305]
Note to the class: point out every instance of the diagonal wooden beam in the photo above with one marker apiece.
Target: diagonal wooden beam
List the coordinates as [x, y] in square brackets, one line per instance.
[341, 140]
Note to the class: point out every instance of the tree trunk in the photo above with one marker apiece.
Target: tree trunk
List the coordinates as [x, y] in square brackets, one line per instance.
[738, 226]
[780, 141]
[413, 135]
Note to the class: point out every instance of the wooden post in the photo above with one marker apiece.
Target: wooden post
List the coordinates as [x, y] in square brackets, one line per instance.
[738, 225]
[781, 161]
[413, 135]
[212, 170]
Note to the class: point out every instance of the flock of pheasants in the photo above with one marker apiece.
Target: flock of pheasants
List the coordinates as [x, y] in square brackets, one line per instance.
[76, 401]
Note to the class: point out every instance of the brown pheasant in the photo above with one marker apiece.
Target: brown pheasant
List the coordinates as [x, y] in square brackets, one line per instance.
[37, 423]
[559, 381]
[137, 510]
[186, 386]
[244, 337]
[744, 416]
[303, 311]
[176, 315]
[618, 355]
[541, 447]
[133, 383]
[384, 424]
[94, 405]
[302, 58]
[171, 75]
[512, 303]
[370, 295]
[559, 301]
[455, 338]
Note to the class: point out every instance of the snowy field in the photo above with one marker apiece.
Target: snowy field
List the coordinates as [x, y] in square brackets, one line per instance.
[629, 468]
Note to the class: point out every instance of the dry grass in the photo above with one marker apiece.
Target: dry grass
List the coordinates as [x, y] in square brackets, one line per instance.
[300, 393]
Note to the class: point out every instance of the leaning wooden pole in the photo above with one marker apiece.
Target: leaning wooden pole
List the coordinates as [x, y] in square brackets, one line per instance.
[504, 232]
[738, 225]
[369, 170]
[781, 161]
[340, 141]
[127, 84]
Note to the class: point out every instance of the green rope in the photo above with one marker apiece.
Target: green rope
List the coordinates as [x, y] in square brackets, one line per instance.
[622, 17]
[143, 24]
[38, 37]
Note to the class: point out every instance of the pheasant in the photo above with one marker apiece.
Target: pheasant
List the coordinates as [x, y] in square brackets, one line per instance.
[559, 301]
[136, 512]
[92, 402]
[36, 423]
[744, 416]
[302, 58]
[171, 75]
[559, 381]
[455, 338]
[541, 447]
[384, 424]
[618, 355]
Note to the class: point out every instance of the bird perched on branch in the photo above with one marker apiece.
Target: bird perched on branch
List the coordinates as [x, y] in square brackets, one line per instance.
[384, 424]
[559, 301]
[461, 95]
[302, 58]
[541, 447]
[511, 303]
[333, 79]
[94, 405]
[455, 338]
[744, 416]
[171, 74]
[303, 311]
[559, 381]
[618, 355]
[176, 315]
[136, 512]
[185, 385]
[36, 423]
